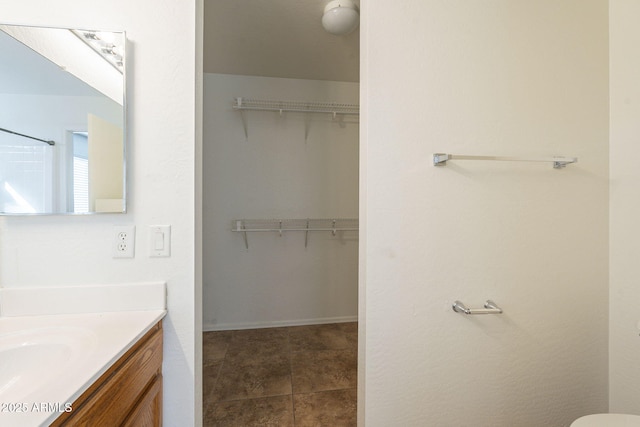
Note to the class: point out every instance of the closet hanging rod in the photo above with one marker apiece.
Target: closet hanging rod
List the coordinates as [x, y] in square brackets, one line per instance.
[440, 159]
[27, 136]
[296, 106]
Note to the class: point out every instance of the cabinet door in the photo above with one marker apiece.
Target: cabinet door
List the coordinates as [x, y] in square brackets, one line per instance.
[148, 411]
[115, 396]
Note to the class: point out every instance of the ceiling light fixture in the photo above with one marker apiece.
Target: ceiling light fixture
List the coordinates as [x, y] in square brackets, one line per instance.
[340, 17]
[109, 45]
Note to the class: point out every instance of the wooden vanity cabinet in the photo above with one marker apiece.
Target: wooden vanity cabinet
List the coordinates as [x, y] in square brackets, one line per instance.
[129, 393]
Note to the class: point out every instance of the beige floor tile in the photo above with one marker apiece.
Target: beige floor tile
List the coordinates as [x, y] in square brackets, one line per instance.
[351, 332]
[257, 350]
[318, 337]
[253, 378]
[323, 370]
[210, 373]
[260, 335]
[268, 412]
[336, 408]
[258, 343]
[258, 377]
[215, 345]
[349, 327]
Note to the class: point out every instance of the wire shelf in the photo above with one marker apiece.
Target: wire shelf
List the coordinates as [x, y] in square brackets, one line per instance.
[296, 106]
[333, 108]
[285, 225]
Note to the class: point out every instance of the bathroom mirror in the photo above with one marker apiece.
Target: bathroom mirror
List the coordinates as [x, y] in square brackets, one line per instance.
[62, 121]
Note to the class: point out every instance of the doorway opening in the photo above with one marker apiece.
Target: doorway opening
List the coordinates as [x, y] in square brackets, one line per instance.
[280, 221]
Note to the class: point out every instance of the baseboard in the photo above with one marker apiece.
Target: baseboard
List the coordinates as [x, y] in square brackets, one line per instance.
[208, 327]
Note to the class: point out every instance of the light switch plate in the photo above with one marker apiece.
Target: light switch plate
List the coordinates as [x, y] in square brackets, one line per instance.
[159, 240]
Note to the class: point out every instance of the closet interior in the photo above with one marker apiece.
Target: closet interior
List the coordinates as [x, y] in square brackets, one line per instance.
[280, 202]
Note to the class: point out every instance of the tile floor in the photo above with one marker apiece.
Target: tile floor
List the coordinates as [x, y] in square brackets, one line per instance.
[291, 376]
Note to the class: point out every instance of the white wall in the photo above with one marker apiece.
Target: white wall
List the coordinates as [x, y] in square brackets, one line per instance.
[163, 118]
[625, 207]
[276, 173]
[516, 78]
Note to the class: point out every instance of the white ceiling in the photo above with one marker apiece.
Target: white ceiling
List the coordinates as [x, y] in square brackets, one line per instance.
[24, 71]
[276, 38]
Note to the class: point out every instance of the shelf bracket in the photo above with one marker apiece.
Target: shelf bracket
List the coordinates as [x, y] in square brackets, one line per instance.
[306, 235]
[244, 125]
[307, 126]
[240, 226]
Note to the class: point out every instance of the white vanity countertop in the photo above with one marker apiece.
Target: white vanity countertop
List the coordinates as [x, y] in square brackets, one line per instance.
[75, 350]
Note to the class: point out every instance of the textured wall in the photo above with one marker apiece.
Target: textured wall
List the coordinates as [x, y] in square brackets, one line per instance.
[625, 207]
[163, 121]
[276, 173]
[501, 77]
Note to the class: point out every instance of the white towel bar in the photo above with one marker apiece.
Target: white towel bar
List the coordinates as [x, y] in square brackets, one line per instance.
[440, 159]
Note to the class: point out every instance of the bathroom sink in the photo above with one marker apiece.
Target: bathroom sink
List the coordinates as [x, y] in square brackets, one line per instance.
[48, 361]
[35, 358]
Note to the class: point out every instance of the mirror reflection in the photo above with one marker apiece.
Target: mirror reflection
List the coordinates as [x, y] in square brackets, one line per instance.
[62, 121]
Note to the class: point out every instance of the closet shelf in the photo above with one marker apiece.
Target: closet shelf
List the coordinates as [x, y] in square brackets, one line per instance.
[296, 106]
[284, 225]
[333, 108]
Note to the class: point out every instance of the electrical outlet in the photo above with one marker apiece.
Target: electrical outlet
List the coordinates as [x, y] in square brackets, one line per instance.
[124, 243]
